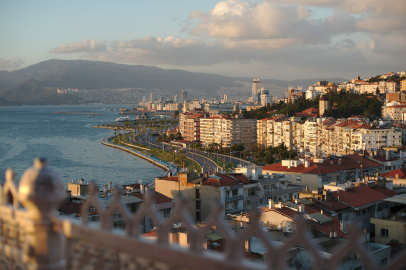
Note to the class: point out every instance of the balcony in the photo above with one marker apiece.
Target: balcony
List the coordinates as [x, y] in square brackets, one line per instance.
[234, 198]
[231, 210]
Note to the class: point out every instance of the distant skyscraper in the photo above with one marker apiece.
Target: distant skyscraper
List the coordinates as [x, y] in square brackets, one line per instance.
[144, 99]
[183, 97]
[152, 97]
[161, 99]
[225, 97]
[175, 99]
[256, 90]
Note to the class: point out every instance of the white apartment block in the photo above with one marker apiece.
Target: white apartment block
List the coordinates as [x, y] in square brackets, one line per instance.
[369, 88]
[228, 131]
[393, 113]
[321, 136]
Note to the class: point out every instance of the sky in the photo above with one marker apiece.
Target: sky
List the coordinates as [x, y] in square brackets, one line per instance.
[269, 39]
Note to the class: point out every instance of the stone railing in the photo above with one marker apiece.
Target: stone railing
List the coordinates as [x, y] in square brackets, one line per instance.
[33, 237]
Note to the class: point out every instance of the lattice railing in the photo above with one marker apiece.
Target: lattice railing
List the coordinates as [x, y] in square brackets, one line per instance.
[32, 237]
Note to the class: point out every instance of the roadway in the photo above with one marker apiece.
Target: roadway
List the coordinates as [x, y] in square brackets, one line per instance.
[206, 164]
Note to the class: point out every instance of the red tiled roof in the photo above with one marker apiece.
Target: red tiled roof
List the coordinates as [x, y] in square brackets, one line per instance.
[227, 180]
[150, 234]
[366, 163]
[159, 197]
[326, 167]
[401, 173]
[327, 227]
[169, 178]
[200, 115]
[385, 191]
[312, 169]
[359, 196]
[332, 205]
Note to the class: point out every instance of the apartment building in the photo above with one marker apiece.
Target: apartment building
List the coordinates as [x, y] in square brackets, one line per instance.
[365, 200]
[325, 136]
[227, 130]
[317, 172]
[191, 128]
[235, 191]
[403, 85]
[393, 113]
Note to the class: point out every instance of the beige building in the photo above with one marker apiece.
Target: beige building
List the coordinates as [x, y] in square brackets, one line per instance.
[392, 228]
[235, 191]
[393, 113]
[403, 85]
[323, 105]
[320, 137]
[227, 130]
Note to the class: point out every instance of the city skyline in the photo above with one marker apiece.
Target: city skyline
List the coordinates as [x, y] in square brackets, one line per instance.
[267, 39]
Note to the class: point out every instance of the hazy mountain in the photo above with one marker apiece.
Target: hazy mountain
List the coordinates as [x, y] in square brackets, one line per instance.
[37, 83]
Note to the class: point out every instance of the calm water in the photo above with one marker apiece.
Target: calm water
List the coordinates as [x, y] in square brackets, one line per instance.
[69, 143]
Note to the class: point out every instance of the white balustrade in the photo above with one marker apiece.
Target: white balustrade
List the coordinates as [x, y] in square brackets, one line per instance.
[32, 237]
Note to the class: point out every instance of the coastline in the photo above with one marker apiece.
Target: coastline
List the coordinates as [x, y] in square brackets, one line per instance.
[162, 164]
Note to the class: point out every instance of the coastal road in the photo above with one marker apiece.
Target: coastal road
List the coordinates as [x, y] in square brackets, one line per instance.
[233, 160]
[206, 164]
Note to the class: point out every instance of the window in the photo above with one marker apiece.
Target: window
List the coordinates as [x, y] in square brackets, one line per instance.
[235, 192]
[167, 212]
[198, 205]
[197, 193]
[358, 268]
[383, 262]
[92, 209]
[384, 232]
[198, 216]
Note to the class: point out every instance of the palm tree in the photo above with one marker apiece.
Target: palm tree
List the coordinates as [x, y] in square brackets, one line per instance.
[180, 158]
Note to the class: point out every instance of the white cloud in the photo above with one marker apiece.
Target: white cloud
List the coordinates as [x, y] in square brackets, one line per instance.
[80, 46]
[9, 64]
[267, 23]
[279, 36]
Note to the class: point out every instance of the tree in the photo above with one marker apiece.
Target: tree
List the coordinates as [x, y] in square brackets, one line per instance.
[176, 114]
[269, 159]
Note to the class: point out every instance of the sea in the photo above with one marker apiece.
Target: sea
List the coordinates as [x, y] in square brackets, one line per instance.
[69, 143]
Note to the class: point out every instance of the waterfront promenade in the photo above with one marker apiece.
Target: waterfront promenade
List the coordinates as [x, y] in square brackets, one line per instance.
[169, 167]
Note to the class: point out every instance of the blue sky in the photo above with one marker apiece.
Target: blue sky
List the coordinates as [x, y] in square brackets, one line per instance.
[269, 39]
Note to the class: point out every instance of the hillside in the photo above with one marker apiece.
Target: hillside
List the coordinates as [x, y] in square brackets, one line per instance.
[33, 92]
[84, 74]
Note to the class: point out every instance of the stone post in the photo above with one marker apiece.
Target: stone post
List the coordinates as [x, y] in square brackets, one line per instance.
[41, 191]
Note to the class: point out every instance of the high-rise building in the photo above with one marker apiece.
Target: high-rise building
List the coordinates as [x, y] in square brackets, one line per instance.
[152, 97]
[175, 99]
[256, 90]
[144, 99]
[183, 97]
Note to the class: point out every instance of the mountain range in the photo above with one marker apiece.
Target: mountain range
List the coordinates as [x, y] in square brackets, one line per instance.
[37, 84]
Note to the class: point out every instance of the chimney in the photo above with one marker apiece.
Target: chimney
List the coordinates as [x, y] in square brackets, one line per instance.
[339, 161]
[338, 198]
[270, 201]
[307, 188]
[335, 234]
[68, 196]
[142, 189]
[248, 245]
[280, 205]
[371, 155]
[331, 233]
[387, 155]
[321, 212]
[397, 176]
[206, 174]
